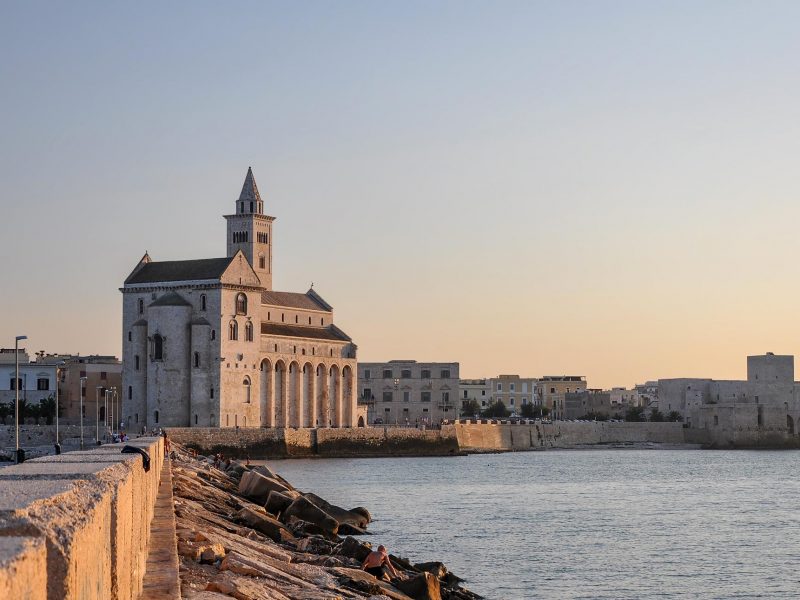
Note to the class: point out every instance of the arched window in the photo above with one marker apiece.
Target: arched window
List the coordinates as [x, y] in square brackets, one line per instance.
[241, 304]
[246, 384]
[296, 319]
[262, 263]
[141, 306]
[195, 418]
[158, 347]
[248, 332]
[309, 320]
[251, 207]
[233, 330]
[130, 336]
[202, 301]
[130, 392]
[196, 359]
[213, 334]
[155, 416]
[241, 207]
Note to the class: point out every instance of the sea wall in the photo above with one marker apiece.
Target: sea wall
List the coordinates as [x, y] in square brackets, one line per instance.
[261, 443]
[40, 435]
[562, 434]
[77, 526]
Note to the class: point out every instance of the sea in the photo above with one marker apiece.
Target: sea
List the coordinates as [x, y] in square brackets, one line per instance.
[583, 523]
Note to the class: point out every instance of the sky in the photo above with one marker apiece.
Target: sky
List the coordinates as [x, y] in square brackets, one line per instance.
[607, 189]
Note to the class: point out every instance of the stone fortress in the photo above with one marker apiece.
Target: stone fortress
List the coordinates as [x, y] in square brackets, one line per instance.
[209, 343]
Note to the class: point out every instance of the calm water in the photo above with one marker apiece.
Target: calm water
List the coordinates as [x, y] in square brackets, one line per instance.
[584, 524]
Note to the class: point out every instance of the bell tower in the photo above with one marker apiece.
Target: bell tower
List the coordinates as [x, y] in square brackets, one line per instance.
[250, 230]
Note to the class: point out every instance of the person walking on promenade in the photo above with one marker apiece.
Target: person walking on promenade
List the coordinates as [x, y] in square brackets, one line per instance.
[166, 444]
[377, 563]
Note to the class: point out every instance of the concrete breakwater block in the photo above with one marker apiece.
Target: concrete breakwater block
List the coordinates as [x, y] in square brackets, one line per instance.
[91, 511]
[23, 562]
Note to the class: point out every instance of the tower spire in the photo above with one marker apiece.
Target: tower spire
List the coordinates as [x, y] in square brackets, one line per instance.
[250, 189]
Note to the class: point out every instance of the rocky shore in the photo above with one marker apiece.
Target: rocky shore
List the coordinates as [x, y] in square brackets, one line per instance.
[247, 533]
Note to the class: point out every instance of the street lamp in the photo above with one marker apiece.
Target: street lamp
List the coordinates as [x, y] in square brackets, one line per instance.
[97, 411]
[115, 410]
[82, 392]
[59, 366]
[20, 453]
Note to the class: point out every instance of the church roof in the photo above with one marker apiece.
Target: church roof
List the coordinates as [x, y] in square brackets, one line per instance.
[170, 299]
[250, 189]
[307, 301]
[317, 333]
[180, 270]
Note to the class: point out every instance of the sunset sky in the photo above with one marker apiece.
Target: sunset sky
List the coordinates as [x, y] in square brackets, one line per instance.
[608, 189]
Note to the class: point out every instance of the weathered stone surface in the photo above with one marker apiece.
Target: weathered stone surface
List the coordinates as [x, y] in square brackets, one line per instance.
[212, 553]
[270, 527]
[420, 587]
[304, 510]
[340, 514]
[277, 502]
[23, 562]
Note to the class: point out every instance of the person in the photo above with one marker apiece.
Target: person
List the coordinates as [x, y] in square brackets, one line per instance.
[166, 444]
[377, 563]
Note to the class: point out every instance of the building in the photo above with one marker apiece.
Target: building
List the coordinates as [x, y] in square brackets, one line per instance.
[648, 393]
[101, 373]
[622, 398]
[552, 390]
[585, 403]
[476, 390]
[209, 343]
[514, 391]
[37, 380]
[407, 392]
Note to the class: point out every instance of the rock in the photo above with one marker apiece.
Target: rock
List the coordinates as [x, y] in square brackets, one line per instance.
[304, 528]
[360, 510]
[347, 529]
[339, 513]
[420, 587]
[189, 551]
[436, 569]
[205, 595]
[272, 528]
[305, 510]
[257, 486]
[277, 502]
[354, 549]
[361, 581]
[212, 553]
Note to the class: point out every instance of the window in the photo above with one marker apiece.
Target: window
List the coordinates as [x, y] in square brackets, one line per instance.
[103, 375]
[405, 374]
[248, 332]
[283, 317]
[716, 420]
[130, 336]
[233, 330]
[297, 319]
[196, 360]
[388, 396]
[155, 416]
[322, 321]
[512, 387]
[552, 390]
[158, 348]
[426, 397]
[499, 387]
[445, 374]
[445, 397]
[406, 396]
[211, 393]
[426, 374]
[195, 418]
[246, 384]
[309, 320]
[367, 393]
[42, 384]
[141, 306]
[202, 301]
[251, 207]
[262, 262]
[524, 401]
[213, 334]
[130, 392]
[465, 393]
[387, 373]
[241, 304]
[367, 374]
[511, 402]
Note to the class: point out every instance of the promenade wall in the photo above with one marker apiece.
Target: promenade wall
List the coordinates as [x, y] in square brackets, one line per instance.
[76, 526]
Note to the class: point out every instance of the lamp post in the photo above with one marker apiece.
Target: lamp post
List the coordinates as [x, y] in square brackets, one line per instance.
[115, 410]
[97, 411]
[82, 392]
[105, 414]
[20, 453]
[59, 366]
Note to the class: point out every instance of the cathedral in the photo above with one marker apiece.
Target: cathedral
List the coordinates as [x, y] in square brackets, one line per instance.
[209, 343]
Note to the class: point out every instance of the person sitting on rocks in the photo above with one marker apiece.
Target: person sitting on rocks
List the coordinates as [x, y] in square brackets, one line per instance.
[377, 563]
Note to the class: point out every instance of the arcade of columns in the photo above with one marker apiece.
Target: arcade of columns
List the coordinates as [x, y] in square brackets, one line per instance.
[307, 396]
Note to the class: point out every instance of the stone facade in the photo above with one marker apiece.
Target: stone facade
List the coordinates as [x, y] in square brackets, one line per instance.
[407, 392]
[514, 391]
[552, 390]
[762, 410]
[209, 343]
[478, 390]
[37, 379]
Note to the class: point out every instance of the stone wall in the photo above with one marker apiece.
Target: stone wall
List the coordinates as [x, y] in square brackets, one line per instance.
[260, 443]
[40, 435]
[562, 434]
[77, 526]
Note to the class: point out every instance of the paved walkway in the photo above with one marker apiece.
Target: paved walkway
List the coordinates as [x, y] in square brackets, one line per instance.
[161, 579]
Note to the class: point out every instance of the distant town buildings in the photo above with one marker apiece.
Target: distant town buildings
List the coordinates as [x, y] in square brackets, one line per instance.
[409, 392]
[209, 342]
[552, 391]
[90, 377]
[37, 379]
[514, 391]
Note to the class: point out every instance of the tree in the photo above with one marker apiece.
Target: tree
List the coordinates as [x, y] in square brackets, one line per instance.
[634, 413]
[656, 415]
[48, 409]
[5, 410]
[533, 411]
[595, 416]
[470, 408]
[496, 410]
[675, 417]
